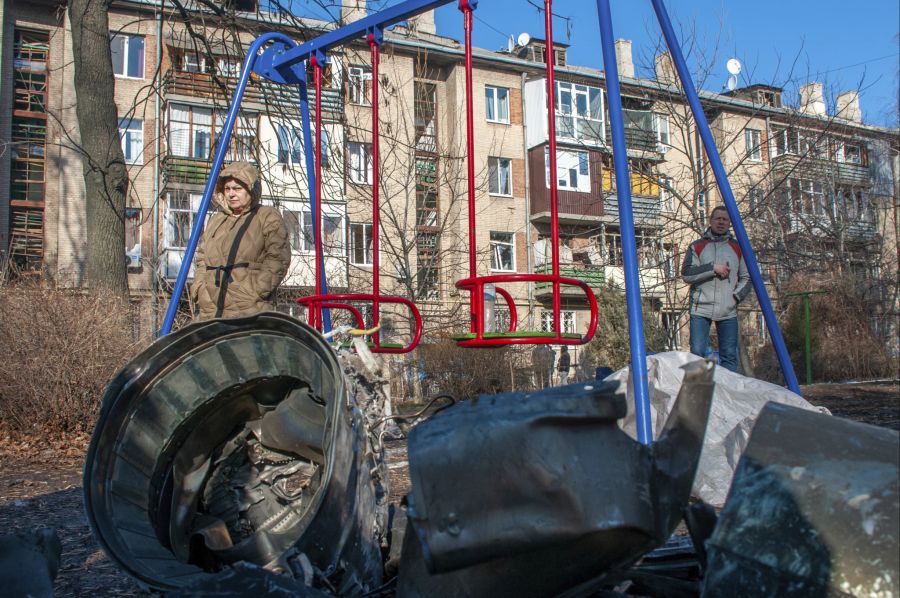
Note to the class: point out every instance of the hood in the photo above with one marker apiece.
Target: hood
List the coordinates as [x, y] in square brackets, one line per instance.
[248, 176]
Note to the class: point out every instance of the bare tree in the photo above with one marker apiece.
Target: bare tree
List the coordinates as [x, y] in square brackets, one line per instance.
[105, 176]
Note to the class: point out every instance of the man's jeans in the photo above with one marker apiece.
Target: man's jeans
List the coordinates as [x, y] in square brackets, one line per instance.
[726, 330]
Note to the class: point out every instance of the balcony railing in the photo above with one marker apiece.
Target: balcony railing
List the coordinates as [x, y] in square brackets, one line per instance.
[188, 171]
[646, 210]
[262, 92]
[639, 133]
[594, 276]
[822, 226]
[797, 166]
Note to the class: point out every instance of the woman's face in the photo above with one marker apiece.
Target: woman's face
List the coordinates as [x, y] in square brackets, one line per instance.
[237, 196]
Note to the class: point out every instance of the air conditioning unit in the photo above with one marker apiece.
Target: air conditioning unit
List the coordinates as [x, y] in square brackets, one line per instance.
[133, 257]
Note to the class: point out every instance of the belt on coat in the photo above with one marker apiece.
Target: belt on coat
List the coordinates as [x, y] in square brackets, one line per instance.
[226, 269]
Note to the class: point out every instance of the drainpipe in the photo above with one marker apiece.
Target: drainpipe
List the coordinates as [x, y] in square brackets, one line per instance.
[154, 242]
[529, 257]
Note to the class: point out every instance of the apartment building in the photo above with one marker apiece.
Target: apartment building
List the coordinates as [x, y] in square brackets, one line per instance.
[807, 173]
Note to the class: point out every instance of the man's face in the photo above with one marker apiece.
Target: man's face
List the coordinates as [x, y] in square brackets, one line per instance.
[719, 223]
[237, 196]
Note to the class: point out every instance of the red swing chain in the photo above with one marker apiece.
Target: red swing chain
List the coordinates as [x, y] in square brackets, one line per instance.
[319, 301]
[478, 336]
[551, 134]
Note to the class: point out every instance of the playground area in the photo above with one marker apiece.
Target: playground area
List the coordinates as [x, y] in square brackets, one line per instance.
[256, 447]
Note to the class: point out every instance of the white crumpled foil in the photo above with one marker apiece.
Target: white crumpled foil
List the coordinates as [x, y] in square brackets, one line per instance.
[737, 401]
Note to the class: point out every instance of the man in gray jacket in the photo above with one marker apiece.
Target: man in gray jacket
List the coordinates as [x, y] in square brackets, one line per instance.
[715, 269]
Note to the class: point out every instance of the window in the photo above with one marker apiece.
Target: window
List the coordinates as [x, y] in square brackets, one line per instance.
[193, 131]
[359, 85]
[666, 196]
[131, 132]
[579, 113]
[127, 55]
[808, 197]
[299, 223]
[499, 176]
[360, 162]
[503, 252]
[572, 170]
[854, 205]
[559, 57]
[426, 192]
[192, 62]
[360, 244]
[227, 67]
[181, 209]
[801, 143]
[323, 150]
[290, 144]
[567, 317]
[644, 179]
[752, 145]
[661, 128]
[427, 281]
[849, 153]
[496, 104]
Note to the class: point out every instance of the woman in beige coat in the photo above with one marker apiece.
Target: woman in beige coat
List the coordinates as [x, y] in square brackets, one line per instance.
[244, 252]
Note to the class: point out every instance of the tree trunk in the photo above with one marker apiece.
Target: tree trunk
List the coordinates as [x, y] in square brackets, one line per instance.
[105, 176]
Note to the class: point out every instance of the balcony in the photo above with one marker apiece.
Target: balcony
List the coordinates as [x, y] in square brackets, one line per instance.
[646, 210]
[639, 133]
[574, 208]
[187, 171]
[652, 280]
[843, 173]
[202, 85]
[862, 229]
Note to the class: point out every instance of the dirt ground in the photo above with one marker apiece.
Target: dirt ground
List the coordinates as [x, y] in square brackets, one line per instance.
[40, 485]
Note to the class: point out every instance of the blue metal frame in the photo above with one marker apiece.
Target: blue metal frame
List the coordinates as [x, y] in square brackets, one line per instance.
[626, 227]
[715, 162]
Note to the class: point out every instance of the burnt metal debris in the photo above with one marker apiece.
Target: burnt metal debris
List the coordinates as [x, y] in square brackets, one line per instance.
[813, 510]
[244, 457]
[239, 440]
[531, 495]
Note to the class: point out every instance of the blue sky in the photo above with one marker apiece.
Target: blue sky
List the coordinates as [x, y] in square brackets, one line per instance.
[846, 45]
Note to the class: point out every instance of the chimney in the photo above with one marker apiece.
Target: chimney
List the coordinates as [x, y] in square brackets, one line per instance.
[812, 100]
[623, 58]
[352, 10]
[423, 23]
[848, 106]
[665, 69]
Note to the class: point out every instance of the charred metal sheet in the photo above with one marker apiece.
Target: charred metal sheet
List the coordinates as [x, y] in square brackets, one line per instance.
[233, 441]
[814, 510]
[533, 494]
[29, 562]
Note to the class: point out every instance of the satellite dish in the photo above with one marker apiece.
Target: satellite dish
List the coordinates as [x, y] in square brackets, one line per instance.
[523, 39]
[732, 82]
[733, 66]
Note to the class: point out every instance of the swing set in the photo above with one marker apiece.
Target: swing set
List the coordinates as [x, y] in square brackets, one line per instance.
[279, 59]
